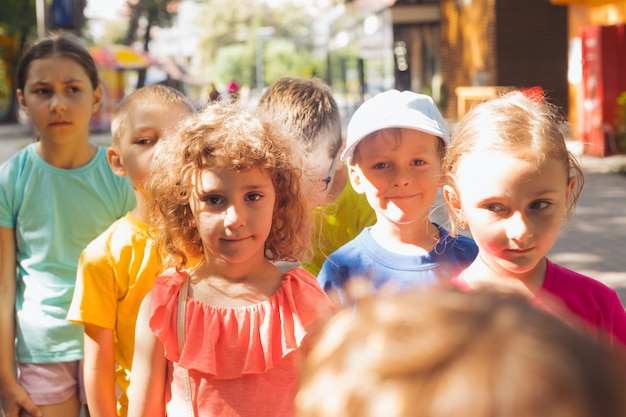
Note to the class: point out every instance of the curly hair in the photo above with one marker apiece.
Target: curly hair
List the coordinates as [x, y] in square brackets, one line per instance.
[226, 136]
[517, 124]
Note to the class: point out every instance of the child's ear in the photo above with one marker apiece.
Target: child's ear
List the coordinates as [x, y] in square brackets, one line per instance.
[21, 100]
[115, 161]
[97, 99]
[452, 198]
[356, 178]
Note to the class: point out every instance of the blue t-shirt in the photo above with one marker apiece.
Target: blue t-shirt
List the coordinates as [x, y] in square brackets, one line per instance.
[55, 213]
[363, 257]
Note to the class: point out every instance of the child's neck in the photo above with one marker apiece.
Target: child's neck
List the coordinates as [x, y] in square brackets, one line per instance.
[228, 285]
[67, 156]
[481, 273]
[417, 238]
[141, 211]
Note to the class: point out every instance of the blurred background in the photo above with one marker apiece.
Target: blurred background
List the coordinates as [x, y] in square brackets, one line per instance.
[458, 51]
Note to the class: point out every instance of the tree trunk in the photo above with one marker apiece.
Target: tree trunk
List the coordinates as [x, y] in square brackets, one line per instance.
[135, 14]
[141, 76]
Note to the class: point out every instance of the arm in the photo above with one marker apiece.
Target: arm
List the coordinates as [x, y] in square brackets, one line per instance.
[146, 392]
[12, 396]
[100, 371]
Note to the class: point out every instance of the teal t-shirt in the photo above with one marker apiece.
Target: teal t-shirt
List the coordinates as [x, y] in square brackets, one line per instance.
[55, 213]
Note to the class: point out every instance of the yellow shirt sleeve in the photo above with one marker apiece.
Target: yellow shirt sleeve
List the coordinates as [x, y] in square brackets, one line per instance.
[337, 224]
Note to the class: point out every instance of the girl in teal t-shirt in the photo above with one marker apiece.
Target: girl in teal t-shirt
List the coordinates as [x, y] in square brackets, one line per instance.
[56, 195]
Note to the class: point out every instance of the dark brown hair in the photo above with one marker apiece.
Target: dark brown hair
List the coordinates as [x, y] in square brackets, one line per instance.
[63, 44]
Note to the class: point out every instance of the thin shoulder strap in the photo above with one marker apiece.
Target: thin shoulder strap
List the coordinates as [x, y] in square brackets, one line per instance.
[180, 334]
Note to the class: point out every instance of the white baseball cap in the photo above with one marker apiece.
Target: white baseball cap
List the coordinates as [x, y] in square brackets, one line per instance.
[393, 108]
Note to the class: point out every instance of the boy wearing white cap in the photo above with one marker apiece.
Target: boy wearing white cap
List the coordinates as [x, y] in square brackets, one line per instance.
[395, 145]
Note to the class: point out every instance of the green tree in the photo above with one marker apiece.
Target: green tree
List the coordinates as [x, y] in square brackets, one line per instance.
[228, 22]
[157, 13]
[281, 57]
[228, 63]
[18, 23]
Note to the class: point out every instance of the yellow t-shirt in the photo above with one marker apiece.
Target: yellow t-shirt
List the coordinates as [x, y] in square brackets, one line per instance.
[336, 224]
[115, 272]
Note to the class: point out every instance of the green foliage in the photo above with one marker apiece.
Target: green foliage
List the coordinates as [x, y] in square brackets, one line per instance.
[18, 24]
[228, 64]
[114, 33]
[5, 91]
[18, 17]
[225, 23]
[282, 58]
[158, 13]
[341, 62]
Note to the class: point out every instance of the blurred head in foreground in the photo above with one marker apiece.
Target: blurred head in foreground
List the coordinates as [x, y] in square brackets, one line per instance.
[448, 353]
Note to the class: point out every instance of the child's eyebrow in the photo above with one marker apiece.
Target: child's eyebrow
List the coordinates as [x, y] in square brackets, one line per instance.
[66, 81]
[257, 186]
[547, 191]
[73, 80]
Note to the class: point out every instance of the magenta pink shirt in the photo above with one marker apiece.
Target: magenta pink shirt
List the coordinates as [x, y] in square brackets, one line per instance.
[565, 293]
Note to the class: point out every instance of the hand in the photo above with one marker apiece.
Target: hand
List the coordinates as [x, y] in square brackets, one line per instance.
[14, 399]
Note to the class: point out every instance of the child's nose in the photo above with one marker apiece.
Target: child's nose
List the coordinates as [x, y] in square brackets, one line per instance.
[517, 227]
[57, 103]
[234, 217]
[401, 177]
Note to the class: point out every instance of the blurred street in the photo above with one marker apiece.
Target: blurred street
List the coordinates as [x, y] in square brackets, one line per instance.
[594, 244]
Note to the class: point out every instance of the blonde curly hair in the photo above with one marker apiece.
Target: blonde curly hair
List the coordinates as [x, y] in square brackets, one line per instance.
[226, 136]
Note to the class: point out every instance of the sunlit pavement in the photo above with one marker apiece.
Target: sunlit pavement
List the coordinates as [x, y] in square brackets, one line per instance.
[594, 244]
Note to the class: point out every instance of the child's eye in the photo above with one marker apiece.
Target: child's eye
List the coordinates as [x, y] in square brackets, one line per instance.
[418, 162]
[42, 91]
[540, 205]
[213, 200]
[381, 165]
[73, 89]
[146, 141]
[253, 197]
[493, 207]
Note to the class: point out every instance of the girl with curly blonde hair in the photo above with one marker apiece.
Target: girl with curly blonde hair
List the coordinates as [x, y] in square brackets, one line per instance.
[221, 331]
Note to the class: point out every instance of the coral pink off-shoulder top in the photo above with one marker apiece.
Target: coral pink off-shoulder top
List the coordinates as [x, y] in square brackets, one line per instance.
[242, 361]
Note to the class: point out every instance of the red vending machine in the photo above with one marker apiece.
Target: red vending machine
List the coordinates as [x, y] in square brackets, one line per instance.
[604, 78]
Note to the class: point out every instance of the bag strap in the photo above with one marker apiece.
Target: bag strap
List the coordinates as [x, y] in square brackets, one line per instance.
[180, 335]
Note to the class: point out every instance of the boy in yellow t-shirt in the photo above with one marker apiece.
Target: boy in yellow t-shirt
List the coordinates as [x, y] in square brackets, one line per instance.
[308, 107]
[118, 268]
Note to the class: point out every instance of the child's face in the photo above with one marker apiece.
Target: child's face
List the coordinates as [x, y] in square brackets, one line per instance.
[233, 213]
[147, 123]
[329, 176]
[399, 174]
[59, 99]
[514, 208]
